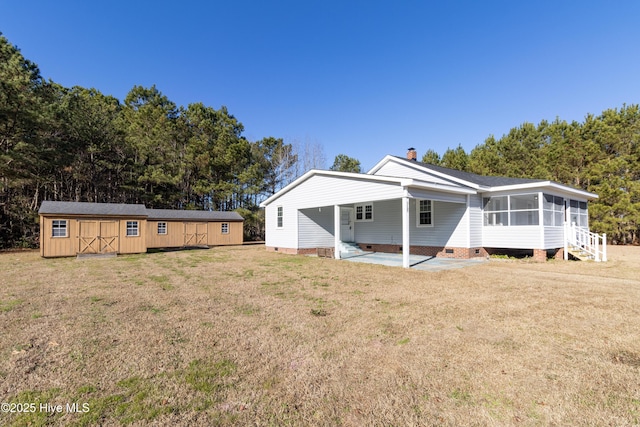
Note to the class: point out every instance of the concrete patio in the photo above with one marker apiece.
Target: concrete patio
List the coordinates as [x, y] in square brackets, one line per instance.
[418, 262]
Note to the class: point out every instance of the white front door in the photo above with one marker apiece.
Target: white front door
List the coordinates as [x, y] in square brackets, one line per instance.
[346, 224]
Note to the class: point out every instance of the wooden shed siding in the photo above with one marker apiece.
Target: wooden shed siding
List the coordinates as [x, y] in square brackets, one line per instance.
[173, 239]
[316, 227]
[133, 244]
[215, 236]
[58, 246]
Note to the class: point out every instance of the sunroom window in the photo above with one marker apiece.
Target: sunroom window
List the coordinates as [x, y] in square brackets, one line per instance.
[553, 207]
[520, 209]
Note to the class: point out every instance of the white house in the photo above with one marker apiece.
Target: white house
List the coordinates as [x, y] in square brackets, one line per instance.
[404, 206]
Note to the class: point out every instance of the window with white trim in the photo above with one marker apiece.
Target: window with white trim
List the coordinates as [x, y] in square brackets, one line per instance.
[578, 213]
[162, 228]
[424, 213]
[364, 212]
[132, 228]
[224, 227]
[553, 210]
[514, 210]
[59, 228]
[280, 217]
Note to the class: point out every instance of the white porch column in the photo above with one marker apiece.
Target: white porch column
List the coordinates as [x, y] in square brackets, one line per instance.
[336, 231]
[406, 240]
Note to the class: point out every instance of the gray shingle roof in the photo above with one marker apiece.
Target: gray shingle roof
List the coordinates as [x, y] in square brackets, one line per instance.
[123, 209]
[488, 181]
[174, 214]
[86, 208]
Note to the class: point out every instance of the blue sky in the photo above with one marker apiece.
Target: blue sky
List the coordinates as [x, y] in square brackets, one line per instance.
[362, 78]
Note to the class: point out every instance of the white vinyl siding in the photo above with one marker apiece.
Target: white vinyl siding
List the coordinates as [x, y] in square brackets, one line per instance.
[448, 229]
[475, 220]
[399, 170]
[316, 227]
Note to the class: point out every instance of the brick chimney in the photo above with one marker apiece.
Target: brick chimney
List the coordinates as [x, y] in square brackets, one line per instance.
[412, 154]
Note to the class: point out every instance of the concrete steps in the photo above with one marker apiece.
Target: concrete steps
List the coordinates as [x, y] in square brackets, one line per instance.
[348, 250]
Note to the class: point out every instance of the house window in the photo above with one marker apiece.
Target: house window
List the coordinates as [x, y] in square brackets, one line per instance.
[280, 217]
[524, 209]
[424, 213]
[162, 228]
[364, 212]
[553, 210]
[132, 228]
[496, 211]
[578, 213]
[520, 209]
[59, 228]
[225, 228]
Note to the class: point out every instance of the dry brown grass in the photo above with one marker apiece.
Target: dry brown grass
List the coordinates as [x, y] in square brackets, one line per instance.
[239, 336]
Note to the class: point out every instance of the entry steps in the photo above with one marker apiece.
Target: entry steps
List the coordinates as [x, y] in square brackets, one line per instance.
[349, 250]
[579, 253]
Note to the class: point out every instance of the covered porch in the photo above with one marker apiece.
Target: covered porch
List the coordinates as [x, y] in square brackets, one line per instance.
[390, 225]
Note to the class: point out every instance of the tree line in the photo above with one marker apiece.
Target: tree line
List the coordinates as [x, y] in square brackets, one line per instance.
[600, 155]
[77, 144]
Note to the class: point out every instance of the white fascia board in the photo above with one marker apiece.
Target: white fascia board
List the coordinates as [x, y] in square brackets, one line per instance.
[413, 164]
[347, 175]
[437, 187]
[543, 184]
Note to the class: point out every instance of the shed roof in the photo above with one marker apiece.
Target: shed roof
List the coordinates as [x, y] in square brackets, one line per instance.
[87, 208]
[174, 214]
[136, 210]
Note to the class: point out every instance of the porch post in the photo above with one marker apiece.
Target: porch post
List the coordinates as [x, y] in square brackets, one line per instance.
[406, 240]
[336, 231]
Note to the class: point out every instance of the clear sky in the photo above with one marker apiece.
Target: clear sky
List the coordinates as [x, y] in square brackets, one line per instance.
[362, 78]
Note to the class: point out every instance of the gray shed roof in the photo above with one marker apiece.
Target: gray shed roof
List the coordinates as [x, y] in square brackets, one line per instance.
[174, 214]
[86, 208]
[137, 210]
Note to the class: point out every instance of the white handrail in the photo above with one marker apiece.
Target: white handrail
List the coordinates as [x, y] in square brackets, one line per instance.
[592, 243]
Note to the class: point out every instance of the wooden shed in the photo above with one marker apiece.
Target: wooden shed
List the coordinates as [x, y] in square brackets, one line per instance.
[175, 228]
[79, 228]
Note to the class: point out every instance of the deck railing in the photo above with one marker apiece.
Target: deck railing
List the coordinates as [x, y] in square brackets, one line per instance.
[578, 238]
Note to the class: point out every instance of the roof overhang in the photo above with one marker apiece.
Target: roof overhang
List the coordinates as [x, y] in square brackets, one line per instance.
[544, 184]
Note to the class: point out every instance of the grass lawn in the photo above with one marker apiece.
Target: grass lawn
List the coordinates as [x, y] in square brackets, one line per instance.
[240, 336]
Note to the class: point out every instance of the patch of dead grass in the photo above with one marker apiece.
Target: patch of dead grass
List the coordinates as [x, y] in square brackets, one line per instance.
[241, 336]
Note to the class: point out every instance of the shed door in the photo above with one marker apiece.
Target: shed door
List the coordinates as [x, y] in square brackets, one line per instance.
[88, 237]
[98, 237]
[108, 237]
[195, 234]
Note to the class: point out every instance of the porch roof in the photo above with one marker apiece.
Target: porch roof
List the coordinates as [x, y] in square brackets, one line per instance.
[405, 184]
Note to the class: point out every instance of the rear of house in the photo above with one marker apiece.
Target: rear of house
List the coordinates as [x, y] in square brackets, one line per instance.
[81, 228]
[408, 207]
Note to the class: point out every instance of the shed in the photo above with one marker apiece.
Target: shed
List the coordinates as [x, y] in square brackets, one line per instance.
[175, 228]
[78, 228]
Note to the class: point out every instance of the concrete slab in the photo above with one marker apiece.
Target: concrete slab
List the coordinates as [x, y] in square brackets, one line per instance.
[419, 262]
